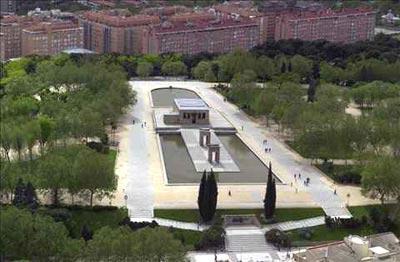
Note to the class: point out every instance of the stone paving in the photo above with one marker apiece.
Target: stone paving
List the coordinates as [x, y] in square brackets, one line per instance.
[141, 173]
[199, 155]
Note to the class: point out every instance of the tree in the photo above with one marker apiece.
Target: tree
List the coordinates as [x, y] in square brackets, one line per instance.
[312, 87]
[212, 190]
[19, 194]
[144, 69]
[54, 172]
[6, 139]
[381, 178]
[86, 233]
[201, 69]
[208, 196]
[30, 196]
[283, 68]
[35, 237]
[143, 245]
[270, 195]
[201, 198]
[177, 68]
[46, 127]
[94, 172]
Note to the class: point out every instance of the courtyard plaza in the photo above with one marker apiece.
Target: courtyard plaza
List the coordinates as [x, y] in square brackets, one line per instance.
[142, 180]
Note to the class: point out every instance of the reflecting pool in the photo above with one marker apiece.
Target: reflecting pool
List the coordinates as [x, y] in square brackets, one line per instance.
[164, 97]
[180, 169]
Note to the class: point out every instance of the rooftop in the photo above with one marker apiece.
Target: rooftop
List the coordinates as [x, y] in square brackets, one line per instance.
[119, 18]
[169, 27]
[190, 104]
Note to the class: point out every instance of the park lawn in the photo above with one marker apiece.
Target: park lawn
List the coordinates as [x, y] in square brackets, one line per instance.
[112, 155]
[94, 219]
[281, 214]
[322, 233]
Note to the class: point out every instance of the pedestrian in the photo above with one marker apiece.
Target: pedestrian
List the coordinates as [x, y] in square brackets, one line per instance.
[270, 150]
[334, 191]
[145, 124]
[229, 193]
[299, 176]
[242, 128]
[308, 180]
[266, 150]
[295, 176]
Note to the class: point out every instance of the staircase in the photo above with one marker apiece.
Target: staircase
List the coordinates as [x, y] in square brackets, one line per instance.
[246, 239]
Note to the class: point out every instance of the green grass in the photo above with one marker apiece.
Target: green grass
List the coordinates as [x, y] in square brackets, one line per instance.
[281, 214]
[322, 233]
[112, 155]
[94, 219]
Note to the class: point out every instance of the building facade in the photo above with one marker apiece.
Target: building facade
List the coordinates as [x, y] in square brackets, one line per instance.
[49, 38]
[115, 31]
[218, 36]
[8, 6]
[346, 26]
[10, 35]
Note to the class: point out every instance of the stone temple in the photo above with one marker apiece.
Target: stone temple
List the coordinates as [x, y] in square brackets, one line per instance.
[188, 111]
[198, 125]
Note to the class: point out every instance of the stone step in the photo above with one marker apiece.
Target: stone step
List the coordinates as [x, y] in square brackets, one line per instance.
[247, 243]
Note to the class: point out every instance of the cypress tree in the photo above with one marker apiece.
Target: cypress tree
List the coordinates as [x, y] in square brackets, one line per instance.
[86, 233]
[19, 193]
[30, 196]
[273, 197]
[268, 205]
[200, 197]
[312, 87]
[315, 70]
[283, 68]
[212, 195]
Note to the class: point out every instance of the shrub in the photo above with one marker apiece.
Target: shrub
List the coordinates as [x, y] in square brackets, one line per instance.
[59, 214]
[99, 147]
[137, 225]
[277, 238]
[212, 238]
[305, 233]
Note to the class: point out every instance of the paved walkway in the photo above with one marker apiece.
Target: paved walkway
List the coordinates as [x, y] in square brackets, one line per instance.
[133, 166]
[282, 155]
[290, 225]
[173, 223]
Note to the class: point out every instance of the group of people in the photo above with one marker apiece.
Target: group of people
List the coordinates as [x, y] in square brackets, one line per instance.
[143, 124]
[267, 149]
[306, 181]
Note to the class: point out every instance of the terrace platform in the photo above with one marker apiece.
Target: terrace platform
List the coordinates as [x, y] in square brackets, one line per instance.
[216, 122]
[199, 154]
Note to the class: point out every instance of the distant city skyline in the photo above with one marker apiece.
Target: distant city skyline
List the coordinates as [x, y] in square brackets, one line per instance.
[176, 29]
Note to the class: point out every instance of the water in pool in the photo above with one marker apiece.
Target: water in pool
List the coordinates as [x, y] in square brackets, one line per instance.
[180, 169]
[164, 97]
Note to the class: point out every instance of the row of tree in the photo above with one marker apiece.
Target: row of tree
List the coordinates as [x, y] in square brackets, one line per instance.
[75, 169]
[36, 237]
[208, 196]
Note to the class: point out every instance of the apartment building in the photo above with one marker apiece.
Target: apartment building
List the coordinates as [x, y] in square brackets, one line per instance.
[8, 6]
[10, 35]
[115, 31]
[346, 26]
[216, 36]
[49, 38]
